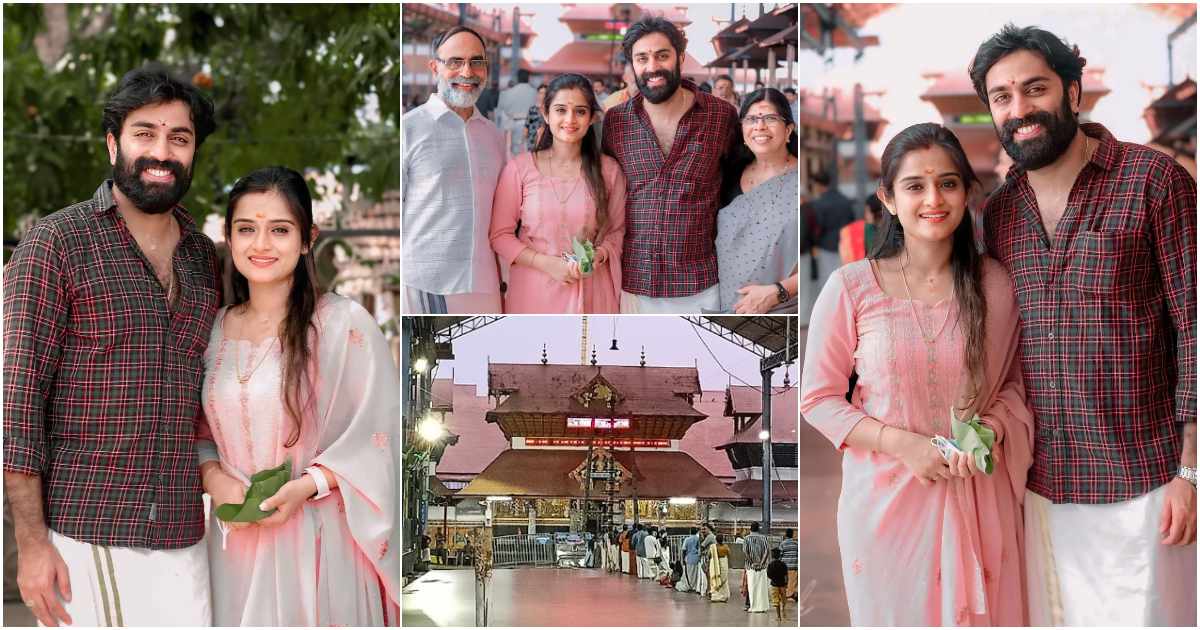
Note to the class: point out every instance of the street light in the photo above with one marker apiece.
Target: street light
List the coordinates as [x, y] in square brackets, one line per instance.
[764, 435]
[430, 429]
[420, 365]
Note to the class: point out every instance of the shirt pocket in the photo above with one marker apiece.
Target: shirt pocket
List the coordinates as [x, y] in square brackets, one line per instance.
[1110, 264]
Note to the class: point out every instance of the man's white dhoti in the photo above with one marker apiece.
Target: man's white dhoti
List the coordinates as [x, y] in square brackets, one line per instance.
[691, 575]
[1105, 565]
[759, 587]
[123, 586]
[624, 561]
[706, 300]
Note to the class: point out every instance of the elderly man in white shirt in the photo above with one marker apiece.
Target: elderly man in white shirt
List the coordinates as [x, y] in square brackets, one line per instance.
[452, 160]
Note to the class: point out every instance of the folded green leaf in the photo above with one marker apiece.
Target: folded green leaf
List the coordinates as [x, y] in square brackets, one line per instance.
[974, 438]
[585, 254]
[263, 485]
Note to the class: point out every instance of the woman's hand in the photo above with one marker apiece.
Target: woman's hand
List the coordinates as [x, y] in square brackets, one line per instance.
[962, 465]
[756, 298]
[922, 458]
[558, 268]
[289, 500]
[225, 488]
[601, 256]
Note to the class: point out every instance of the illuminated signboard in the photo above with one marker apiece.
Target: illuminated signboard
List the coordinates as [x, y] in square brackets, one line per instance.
[618, 442]
[597, 423]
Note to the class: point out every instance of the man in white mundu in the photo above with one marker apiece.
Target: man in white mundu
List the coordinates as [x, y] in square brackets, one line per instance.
[1099, 236]
[758, 555]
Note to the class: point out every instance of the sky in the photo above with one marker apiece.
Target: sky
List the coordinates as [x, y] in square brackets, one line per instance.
[552, 34]
[669, 342]
[1128, 41]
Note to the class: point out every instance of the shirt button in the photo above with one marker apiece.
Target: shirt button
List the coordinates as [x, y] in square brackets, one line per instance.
[1051, 335]
[1052, 385]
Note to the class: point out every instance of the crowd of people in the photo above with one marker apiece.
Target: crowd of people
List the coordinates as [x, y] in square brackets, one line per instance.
[657, 198]
[702, 563]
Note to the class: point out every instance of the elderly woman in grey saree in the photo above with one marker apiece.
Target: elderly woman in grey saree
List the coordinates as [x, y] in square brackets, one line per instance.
[757, 229]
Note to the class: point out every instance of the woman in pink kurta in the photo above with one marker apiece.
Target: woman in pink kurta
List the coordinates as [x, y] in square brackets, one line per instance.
[924, 541]
[547, 197]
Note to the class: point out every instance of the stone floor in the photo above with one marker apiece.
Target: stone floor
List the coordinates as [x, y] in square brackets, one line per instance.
[820, 560]
[543, 596]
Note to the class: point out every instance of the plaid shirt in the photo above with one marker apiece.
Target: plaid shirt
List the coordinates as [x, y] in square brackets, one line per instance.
[102, 378]
[671, 203]
[1108, 320]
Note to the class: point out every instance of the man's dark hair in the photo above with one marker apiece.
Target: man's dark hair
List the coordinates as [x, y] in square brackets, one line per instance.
[820, 178]
[522, 75]
[455, 30]
[788, 533]
[1064, 60]
[776, 553]
[754, 526]
[151, 85]
[723, 77]
[789, 90]
[655, 24]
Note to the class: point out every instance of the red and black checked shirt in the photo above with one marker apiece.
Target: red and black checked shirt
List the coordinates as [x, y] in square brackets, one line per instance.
[102, 378]
[1108, 320]
[671, 202]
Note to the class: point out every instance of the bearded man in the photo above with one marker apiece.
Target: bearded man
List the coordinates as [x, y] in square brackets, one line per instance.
[1099, 237]
[452, 161]
[107, 310]
[671, 141]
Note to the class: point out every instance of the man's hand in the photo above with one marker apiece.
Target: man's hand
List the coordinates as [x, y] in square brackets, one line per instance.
[1178, 517]
[40, 569]
[289, 500]
[756, 298]
[225, 488]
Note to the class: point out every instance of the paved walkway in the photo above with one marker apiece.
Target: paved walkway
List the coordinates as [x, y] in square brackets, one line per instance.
[545, 596]
[820, 559]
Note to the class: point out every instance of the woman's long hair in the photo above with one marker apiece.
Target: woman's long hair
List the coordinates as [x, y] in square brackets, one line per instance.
[966, 263]
[305, 292]
[590, 150]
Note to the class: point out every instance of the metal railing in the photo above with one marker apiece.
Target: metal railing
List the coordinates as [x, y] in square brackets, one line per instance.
[529, 549]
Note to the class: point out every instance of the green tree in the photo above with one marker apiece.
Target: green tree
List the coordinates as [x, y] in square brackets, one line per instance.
[305, 86]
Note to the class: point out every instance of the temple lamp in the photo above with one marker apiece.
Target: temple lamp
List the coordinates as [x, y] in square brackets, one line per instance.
[430, 429]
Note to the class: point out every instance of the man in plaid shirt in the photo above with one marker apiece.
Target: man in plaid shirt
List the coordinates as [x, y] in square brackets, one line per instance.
[1099, 237]
[670, 140]
[108, 306]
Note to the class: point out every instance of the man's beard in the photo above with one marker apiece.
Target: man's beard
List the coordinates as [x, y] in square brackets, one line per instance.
[660, 94]
[455, 97]
[151, 198]
[1043, 150]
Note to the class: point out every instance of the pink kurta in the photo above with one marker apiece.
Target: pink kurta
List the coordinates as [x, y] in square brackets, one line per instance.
[335, 562]
[547, 226]
[944, 554]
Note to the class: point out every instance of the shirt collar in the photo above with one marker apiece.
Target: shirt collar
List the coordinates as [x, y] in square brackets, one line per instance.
[105, 202]
[438, 108]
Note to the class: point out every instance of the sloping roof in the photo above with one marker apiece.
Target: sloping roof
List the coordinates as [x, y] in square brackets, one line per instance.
[479, 442]
[545, 473]
[548, 389]
[743, 400]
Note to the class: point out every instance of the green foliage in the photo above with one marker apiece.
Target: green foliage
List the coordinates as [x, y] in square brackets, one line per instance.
[329, 62]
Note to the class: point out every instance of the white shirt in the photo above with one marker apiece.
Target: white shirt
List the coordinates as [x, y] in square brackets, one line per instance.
[653, 549]
[450, 172]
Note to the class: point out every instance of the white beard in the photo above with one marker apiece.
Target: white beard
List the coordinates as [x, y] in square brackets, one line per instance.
[455, 97]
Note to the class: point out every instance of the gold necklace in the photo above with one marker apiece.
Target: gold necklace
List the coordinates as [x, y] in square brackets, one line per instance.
[562, 201]
[237, 359]
[928, 339]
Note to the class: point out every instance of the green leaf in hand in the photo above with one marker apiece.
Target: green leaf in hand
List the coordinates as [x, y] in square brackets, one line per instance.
[976, 439]
[585, 253]
[263, 485]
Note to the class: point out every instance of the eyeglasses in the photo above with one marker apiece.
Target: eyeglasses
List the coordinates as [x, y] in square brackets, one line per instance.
[456, 63]
[770, 119]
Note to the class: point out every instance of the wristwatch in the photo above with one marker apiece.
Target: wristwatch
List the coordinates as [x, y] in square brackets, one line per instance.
[781, 293]
[1188, 473]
